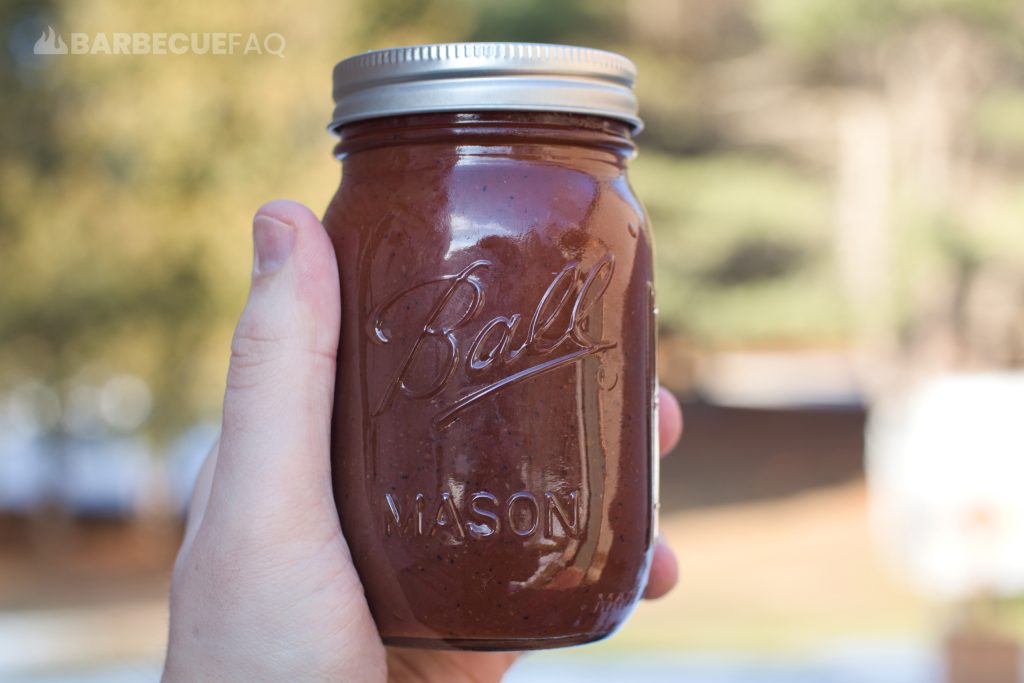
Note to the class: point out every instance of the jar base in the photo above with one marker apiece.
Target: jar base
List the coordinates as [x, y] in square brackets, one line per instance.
[495, 644]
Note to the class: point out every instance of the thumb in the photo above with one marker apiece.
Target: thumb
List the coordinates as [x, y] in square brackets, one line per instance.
[275, 443]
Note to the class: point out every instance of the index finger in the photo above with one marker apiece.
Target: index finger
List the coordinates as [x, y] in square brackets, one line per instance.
[670, 421]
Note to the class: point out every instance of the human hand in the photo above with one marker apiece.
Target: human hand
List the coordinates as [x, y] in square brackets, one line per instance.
[264, 588]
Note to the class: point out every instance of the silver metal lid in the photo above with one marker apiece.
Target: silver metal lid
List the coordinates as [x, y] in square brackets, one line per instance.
[464, 77]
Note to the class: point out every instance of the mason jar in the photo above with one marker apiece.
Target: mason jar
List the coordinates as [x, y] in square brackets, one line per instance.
[493, 440]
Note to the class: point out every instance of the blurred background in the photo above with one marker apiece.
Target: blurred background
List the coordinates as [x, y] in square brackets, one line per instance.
[836, 190]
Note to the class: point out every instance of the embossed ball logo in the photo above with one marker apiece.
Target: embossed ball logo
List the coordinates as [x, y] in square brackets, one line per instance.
[553, 335]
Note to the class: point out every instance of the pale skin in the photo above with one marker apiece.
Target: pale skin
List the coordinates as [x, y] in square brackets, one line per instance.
[264, 588]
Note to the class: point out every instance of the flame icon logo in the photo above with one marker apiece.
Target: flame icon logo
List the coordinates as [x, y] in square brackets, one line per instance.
[50, 43]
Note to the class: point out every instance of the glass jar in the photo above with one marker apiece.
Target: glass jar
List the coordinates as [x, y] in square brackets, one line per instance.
[493, 441]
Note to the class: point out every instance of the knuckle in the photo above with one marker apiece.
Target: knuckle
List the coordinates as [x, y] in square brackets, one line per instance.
[253, 349]
[260, 351]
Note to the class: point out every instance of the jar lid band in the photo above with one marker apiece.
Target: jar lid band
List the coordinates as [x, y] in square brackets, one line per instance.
[466, 77]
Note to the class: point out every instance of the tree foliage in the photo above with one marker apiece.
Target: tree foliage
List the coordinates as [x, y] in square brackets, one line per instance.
[127, 182]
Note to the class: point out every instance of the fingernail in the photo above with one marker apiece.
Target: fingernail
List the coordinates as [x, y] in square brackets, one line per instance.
[273, 241]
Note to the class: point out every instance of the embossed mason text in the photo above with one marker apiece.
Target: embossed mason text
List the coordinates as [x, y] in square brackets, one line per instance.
[481, 514]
